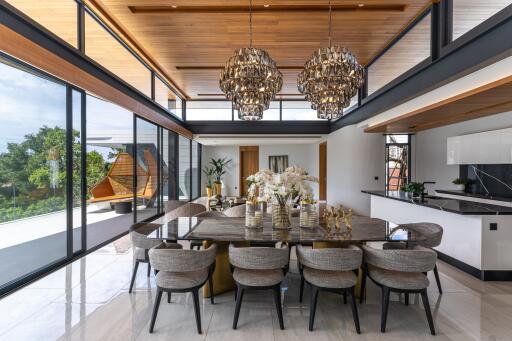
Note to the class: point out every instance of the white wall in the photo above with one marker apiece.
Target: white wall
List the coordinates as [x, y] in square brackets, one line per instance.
[354, 159]
[302, 155]
[429, 149]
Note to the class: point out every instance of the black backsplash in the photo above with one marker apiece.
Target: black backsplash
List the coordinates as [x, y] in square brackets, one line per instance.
[493, 180]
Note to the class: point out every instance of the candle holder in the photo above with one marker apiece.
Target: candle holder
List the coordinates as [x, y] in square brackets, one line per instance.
[309, 217]
[253, 215]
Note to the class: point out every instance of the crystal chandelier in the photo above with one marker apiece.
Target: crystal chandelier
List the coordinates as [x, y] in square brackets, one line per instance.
[250, 79]
[330, 79]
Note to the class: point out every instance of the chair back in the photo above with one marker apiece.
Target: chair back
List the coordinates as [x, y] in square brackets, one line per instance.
[417, 259]
[258, 258]
[167, 259]
[210, 214]
[433, 233]
[138, 235]
[171, 205]
[331, 259]
[236, 211]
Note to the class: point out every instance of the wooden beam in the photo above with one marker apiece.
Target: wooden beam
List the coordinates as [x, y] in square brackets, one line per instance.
[24, 49]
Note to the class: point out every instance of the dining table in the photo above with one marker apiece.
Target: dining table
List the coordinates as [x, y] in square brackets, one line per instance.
[225, 230]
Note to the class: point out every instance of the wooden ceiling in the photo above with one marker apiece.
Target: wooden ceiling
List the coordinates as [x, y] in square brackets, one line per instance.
[483, 101]
[193, 41]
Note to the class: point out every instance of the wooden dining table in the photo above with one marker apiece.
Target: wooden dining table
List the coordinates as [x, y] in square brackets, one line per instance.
[225, 230]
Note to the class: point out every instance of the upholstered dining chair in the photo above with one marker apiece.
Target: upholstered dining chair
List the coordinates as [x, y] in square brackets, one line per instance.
[332, 270]
[235, 211]
[258, 268]
[188, 209]
[401, 271]
[141, 245]
[433, 234]
[182, 271]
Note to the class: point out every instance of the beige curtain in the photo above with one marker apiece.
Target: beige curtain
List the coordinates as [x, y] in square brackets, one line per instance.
[278, 164]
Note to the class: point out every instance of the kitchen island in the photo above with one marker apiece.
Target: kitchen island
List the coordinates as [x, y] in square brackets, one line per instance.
[477, 237]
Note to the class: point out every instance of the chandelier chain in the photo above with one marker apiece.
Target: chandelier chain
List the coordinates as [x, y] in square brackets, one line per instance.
[330, 19]
[250, 23]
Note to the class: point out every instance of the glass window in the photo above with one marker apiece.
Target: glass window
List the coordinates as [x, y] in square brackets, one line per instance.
[58, 16]
[397, 162]
[147, 169]
[209, 111]
[196, 192]
[32, 172]
[101, 46]
[169, 165]
[406, 53]
[298, 111]
[109, 170]
[271, 114]
[167, 98]
[77, 170]
[468, 14]
[184, 169]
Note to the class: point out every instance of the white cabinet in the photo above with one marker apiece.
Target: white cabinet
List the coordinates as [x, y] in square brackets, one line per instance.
[490, 147]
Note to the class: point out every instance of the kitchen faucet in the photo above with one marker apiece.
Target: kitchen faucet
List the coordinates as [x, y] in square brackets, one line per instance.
[422, 195]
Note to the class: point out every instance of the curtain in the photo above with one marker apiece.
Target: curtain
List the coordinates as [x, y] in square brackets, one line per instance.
[278, 164]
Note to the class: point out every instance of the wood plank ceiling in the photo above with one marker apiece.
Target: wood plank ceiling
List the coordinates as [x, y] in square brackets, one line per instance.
[190, 42]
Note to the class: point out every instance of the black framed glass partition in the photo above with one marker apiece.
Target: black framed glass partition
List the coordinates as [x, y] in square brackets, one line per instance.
[398, 161]
[184, 169]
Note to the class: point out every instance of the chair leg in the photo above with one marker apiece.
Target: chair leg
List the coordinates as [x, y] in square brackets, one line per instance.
[236, 292]
[134, 274]
[277, 300]
[344, 297]
[301, 293]
[168, 297]
[197, 310]
[210, 284]
[363, 284]
[239, 297]
[406, 298]
[191, 246]
[155, 309]
[312, 307]
[149, 269]
[438, 280]
[353, 305]
[426, 305]
[385, 305]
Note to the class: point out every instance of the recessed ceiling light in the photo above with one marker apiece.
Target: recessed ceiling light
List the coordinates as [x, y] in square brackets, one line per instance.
[360, 5]
[266, 5]
[174, 6]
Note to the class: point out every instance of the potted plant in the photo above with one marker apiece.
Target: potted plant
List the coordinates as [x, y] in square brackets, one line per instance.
[219, 166]
[415, 188]
[209, 171]
[460, 184]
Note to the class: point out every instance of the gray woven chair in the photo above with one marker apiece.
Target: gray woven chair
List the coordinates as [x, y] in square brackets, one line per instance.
[235, 211]
[171, 205]
[400, 271]
[330, 270]
[182, 271]
[141, 245]
[258, 268]
[433, 234]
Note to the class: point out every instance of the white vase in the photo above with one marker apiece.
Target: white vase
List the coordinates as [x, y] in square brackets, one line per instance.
[460, 187]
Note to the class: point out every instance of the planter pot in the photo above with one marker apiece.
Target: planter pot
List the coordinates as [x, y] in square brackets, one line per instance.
[209, 192]
[460, 187]
[218, 188]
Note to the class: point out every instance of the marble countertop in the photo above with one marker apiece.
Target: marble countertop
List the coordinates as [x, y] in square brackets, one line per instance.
[445, 204]
[474, 195]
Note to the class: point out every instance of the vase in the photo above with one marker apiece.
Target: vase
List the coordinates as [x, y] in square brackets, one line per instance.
[281, 214]
[218, 188]
[253, 215]
[209, 191]
[308, 215]
[460, 187]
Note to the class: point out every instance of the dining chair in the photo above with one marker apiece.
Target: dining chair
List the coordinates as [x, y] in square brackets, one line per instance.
[402, 271]
[141, 245]
[433, 234]
[258, 268]
[330, 269]
[235, 211]
[182, 271]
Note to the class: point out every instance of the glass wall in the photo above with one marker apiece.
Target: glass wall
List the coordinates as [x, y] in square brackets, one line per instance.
[77, 169]
[196, 171]
[101, 46]
[468, 14]
[32, 171]
[167, 98]
[184, 171]
[397, 161]
[65, 10]
[209, 111]
[411, 49]
[147, 173]
[298, 111]
[169, 167]
[110, 164]
[271, 114]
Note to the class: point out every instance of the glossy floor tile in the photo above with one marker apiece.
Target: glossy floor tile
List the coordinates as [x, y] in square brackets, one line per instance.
[89, 300]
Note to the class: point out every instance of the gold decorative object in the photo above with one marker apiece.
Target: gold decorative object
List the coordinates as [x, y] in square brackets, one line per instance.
[345, 218]
[329, 215]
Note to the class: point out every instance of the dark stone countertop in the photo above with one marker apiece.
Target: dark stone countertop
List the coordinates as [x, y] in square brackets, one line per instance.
[445, 204]
[473, 195]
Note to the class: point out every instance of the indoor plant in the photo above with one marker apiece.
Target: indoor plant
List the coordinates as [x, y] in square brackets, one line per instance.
[460, 184]
[219, 165]
[209, 171]
[416, 188]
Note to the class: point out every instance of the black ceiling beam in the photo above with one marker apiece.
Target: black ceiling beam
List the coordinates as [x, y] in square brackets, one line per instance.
[258, 127]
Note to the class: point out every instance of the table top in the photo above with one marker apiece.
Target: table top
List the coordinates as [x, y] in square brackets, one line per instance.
[228, 229]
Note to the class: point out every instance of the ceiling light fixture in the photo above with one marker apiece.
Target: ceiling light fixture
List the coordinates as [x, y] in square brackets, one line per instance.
[174, 6]
[266, 5]
[250, 79]
[360, 5]
[330, 79]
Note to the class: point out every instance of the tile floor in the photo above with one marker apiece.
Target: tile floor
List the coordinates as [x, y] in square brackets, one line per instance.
[89, 300]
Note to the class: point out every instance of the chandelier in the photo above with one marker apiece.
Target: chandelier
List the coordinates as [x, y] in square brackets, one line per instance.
[250, 79]
[330, 79]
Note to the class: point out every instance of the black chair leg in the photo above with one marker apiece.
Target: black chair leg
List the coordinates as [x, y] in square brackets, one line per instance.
[438, 280]
[385, 305]
[277, 300]
[210, 284]
[426, 305]
[149, 269]
[239, 297]
[168, 297]
[312, 307]
[301, 293]
[195, 294]
[236, 292]
[406, 298]
[363, 285]
[344, 297]
[134, 274]
[353, 305]
[155, 309]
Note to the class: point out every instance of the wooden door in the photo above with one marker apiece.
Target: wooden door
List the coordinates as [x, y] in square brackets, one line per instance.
[322, 169]
[249, 164]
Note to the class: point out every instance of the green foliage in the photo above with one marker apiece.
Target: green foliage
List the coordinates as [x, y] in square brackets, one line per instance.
[209, 171]
[414, 187]
[219, 166]
[460, 181]
[39, 207]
